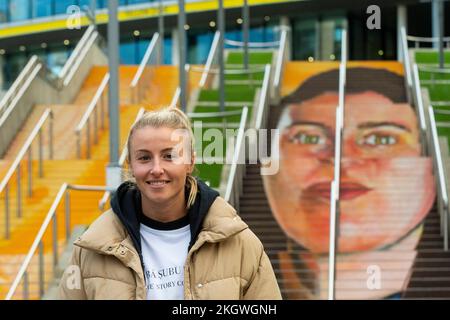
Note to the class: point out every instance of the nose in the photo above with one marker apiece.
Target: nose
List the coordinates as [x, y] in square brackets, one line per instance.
[348, 163]
[350, 149]
[157, 169]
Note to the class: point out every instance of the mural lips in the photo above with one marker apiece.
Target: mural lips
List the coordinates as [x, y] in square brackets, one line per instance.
[348, 190]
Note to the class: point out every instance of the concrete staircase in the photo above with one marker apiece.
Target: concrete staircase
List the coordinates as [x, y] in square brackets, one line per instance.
[64, 168]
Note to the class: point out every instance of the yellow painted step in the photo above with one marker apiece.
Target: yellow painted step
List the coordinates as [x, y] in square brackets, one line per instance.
[84, 209]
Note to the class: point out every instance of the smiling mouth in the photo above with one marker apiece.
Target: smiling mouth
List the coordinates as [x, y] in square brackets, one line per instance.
[347, 191]
[157, 183]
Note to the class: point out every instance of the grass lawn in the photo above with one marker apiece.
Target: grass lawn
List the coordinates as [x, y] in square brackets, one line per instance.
[258, 57]
[432, 57]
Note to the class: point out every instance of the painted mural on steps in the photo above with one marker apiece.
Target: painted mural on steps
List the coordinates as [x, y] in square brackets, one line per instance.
[387, 187]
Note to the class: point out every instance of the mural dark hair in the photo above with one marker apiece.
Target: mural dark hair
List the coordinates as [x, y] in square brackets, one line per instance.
[359, 79]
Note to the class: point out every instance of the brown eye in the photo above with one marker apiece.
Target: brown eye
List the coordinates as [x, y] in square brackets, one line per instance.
[143, 158]
[170, 156]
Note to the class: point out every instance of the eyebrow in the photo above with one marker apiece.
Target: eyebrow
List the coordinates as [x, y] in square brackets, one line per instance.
[163, 150]
[370, 125]
[309, 123]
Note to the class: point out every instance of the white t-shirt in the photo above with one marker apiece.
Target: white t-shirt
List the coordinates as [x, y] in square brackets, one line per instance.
[164, 254]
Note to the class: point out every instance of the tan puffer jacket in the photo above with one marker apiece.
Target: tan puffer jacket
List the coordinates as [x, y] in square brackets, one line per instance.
[227, 261]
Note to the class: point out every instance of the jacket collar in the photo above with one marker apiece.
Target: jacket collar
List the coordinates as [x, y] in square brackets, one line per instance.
[126, 204]
[107, 235]
[221, 222]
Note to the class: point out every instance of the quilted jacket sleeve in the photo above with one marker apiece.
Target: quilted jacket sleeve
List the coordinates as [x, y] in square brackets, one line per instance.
[264, 284]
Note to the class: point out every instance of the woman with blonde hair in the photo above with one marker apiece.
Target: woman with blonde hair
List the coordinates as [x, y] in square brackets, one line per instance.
[167, 235]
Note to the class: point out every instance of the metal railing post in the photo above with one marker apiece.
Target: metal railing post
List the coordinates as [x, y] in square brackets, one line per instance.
[102, 111]
[95, 125]
[7, 212]
[41, 269]
[88, 139]
[19, 193]
[78, 144]
[441, 179]
[55, 244]
[51, 218]
[51, 135]
[67, 214]
[237, 153]
[30, 172]
[26, 291]
[41, 154]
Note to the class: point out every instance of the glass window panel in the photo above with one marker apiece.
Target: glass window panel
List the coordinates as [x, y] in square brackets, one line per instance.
[304, 38]
[62, 5]
[19, 10]
[137, 1]
[57, 57]
[3, 11]
[167, 50]
[127, 52]
[42, 8]
[101, 4]
[204, 42]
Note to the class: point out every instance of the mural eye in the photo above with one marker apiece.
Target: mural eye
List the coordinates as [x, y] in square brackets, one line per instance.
[304, 138]
[379, 140]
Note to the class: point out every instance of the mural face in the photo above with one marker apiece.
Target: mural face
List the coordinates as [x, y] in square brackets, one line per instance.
[386, 187]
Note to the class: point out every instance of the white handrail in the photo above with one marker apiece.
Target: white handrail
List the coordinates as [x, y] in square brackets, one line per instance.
[406, 62]
[80, 57]
[434, 70]
[176, 97]
[427, 39]
[148, 53]
[280, 59]
[210, 59]
[335, 187]
[36, 241]
[93, 103]
[47, 113]
[263, 100]
[430, 137]
[442, 181]
[237, 154]
[19, 94]
[42, 229]
[34, 65]
[15, 86]
[80, 45]
[23, 76]
[420, 107]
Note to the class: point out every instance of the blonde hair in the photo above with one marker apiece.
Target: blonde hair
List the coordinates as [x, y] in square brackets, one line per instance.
[169, 117]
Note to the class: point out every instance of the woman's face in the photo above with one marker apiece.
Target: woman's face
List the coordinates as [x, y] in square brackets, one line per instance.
[160, 162]
[386, 187]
